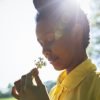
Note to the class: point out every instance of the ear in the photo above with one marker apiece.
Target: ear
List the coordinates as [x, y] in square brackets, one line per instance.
[78, 32]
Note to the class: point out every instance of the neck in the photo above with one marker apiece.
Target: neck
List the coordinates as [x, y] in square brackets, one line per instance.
[76, 62]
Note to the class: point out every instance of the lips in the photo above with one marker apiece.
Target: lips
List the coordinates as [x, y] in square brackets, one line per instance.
[55, 61]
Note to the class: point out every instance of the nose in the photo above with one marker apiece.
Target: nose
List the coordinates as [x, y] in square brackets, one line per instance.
[46, 51]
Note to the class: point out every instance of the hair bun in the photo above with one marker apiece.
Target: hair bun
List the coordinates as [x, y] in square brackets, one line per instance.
[39, 4]
[47, 5]
[44, 4]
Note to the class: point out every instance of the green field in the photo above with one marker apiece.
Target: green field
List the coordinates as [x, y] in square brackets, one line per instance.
[7, 99]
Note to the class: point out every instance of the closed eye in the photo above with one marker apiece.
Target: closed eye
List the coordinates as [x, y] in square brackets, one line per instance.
[46, 43]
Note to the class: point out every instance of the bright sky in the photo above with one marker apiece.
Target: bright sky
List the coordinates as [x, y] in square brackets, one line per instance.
[18, 45]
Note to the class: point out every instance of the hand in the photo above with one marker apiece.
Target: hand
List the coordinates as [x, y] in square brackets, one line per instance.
[24, 89]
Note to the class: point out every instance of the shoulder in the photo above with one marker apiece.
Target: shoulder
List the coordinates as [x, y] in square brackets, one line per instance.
[97, 78]
[91, 84]
[97, 86]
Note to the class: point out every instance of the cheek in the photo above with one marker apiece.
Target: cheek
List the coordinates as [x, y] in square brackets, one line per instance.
[60, 49]
[64, 55]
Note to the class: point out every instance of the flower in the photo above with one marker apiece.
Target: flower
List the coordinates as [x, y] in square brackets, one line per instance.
[40, 63]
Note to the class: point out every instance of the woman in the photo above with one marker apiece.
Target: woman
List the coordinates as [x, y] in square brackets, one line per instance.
[62, 29]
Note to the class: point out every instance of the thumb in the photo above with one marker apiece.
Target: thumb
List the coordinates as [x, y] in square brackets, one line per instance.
[35, 74]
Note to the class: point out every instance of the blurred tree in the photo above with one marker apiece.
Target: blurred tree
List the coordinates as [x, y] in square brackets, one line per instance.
[95, 14]
[94, 48]
[6, 92]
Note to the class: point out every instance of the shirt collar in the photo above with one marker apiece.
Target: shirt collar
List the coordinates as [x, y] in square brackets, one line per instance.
[72, 79]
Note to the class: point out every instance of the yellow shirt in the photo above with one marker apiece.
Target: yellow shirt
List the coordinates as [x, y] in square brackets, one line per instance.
[83, 83]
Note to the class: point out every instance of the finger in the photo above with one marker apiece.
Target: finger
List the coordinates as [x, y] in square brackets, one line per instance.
[30, 76]
[23, 79]
[28, 80]
[38, 81]
[14, 93]
[35, 73]
[17, 85]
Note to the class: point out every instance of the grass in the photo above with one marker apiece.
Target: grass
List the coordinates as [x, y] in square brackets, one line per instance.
[7, 99]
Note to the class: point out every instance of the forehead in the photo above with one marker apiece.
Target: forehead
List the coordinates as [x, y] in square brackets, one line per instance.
[43, 27]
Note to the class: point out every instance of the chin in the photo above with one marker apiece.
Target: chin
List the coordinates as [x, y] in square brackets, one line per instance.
[58, 65]
[58, 68]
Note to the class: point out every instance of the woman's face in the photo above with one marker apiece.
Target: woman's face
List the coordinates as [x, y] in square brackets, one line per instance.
[62, 51]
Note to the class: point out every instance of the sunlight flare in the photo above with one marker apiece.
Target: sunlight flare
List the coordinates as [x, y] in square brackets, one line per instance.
[84, 4]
